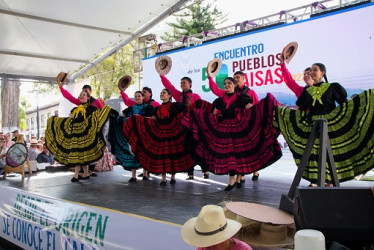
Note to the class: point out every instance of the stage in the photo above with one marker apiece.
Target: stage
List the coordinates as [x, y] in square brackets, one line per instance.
[173, 204]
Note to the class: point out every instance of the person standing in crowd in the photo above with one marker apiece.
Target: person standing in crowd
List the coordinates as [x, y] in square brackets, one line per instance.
[8, 141]
[32, 152]
[15, 135]
[3, 152]
[159, 142]
[45, 156]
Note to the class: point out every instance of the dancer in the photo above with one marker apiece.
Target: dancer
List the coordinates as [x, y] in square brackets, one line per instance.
[159, 142]
[240, 87]
[147, 94]
[77, 140]
[186, 96]
[119, 145]
[237, 138]
[349, 127]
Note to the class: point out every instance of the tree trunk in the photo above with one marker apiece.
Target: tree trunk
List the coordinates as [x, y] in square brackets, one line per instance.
[10, 91]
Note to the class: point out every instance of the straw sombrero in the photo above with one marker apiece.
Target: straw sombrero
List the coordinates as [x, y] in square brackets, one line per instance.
[163, 65]
[124, 82]
[209, 228]
[61, 78]
[213, 67]
[289, 51]
[266, 226]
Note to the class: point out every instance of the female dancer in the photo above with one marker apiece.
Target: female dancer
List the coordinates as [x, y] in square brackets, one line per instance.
[159, 142]
[234, 139]
[349, 126]
[147, 94]
[186, 96]
[240, 88]
[78, 140]
[119, 145]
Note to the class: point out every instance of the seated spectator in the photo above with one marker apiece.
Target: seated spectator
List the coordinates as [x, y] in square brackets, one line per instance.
[33, 151]
[3, 151]
[39, 148]
[211, 230]
[45, 156]
[8, 141]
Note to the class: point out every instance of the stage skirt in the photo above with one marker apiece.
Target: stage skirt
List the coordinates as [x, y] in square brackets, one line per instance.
[77, 143]
[120, 146]
[351, 133]
[203, 105]
[159, 147]
[241, 145]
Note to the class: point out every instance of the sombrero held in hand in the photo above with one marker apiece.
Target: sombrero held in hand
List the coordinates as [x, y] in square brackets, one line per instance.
[289, 51]
[213, 67]
[163, 65]
[124, 82]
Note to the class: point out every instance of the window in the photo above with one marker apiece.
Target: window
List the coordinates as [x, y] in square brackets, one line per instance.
[28, 124]
[32, 122]
[42, 121]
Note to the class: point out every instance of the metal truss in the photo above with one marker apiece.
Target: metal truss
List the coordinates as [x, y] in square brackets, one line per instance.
[151, 48]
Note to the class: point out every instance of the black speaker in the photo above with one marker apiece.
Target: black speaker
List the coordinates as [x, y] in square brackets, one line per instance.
[341, 214]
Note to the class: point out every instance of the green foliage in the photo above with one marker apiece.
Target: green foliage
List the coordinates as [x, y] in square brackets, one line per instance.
[105, 76]
[197, 18]
[24, 105]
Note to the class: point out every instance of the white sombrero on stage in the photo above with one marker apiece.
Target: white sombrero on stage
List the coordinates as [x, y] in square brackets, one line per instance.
[163, 65]
[289, 51]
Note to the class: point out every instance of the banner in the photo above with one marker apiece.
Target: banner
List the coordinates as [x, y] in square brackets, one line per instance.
[33, 221]
[343, 41]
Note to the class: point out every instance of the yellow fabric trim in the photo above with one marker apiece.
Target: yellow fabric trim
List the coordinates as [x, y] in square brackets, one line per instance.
[317, 92]
[80, 109]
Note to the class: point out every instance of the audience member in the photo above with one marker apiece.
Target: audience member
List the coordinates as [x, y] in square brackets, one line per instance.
[15, 135]
[33, 151]
[3, 151]
[8, 141]
[211, 230]
[45, 156]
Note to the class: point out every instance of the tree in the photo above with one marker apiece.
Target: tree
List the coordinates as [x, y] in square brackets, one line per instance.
[196, 19]
[106, 74]
[24, 105]
[10, 90]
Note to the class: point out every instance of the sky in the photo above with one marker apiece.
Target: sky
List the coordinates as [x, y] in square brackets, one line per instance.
[236, 10]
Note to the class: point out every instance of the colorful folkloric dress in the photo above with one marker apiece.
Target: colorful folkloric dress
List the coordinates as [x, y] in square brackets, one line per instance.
[119, 145]
[237, 140]
[78, 140]
[350, 129]
[159, 144]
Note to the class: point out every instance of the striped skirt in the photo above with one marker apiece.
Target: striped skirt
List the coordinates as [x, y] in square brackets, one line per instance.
[160, 148]
[77, 143]
[241, 145]
[120, 146]
[351, 133]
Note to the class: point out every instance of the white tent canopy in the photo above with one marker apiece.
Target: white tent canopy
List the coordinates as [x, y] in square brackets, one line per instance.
[40, 38]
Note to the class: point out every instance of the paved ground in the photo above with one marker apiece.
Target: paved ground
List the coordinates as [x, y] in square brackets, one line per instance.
[175, 203]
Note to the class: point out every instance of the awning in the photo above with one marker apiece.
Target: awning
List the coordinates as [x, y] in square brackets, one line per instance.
[40, 38]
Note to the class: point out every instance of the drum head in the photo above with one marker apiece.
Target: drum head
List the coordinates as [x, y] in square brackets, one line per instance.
[16, 155]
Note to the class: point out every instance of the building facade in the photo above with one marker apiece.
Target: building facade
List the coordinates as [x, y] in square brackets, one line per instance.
[45, 112]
